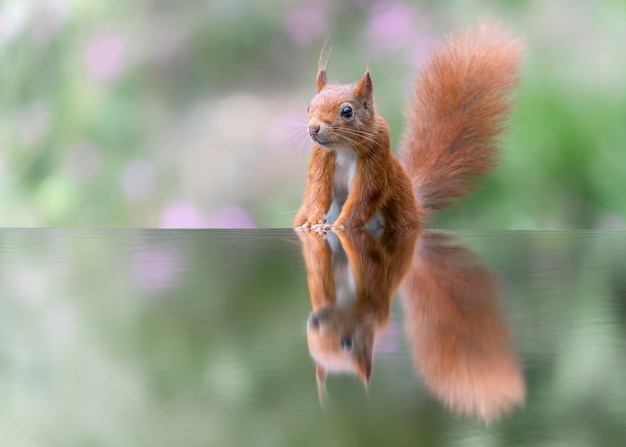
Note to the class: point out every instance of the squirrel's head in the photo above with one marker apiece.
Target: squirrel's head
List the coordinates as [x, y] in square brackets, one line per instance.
[341, 341]
[342, 114]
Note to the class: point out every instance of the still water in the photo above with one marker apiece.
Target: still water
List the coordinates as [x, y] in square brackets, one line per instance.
[275, 338]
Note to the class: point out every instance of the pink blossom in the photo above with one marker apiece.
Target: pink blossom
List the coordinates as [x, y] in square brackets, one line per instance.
[392, 26]
[183, 215]
[231, 217]
[305, 24]
[188, 215]
[105, 57]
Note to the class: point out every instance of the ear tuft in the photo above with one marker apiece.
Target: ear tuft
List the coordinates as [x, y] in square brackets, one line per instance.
[364, 365]
[320, 378]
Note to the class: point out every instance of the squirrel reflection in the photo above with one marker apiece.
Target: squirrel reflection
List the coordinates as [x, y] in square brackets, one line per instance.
[460, 343]
[352, 277]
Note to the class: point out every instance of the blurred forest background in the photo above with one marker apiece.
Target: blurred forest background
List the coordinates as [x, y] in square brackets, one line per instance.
[156, 113]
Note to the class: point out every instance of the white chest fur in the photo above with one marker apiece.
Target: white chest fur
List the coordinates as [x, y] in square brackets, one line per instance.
[345, 285]
[345, 167]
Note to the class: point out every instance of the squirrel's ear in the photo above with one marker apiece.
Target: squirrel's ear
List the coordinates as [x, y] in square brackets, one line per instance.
[321, 80]
[364, 88]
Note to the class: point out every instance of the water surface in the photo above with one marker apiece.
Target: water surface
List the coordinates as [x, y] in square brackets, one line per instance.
[195, 338]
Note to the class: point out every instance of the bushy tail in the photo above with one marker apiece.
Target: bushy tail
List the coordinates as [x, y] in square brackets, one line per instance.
[462, 101]
[461, 344]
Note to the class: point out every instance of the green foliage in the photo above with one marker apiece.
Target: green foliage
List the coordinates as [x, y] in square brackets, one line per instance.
[121, 114]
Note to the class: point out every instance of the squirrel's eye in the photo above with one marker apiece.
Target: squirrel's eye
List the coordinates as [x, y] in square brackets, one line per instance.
[346, 344]
[308, 109]
[346, 112]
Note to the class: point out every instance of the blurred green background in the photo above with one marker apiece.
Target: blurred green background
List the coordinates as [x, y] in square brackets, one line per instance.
[191, 114]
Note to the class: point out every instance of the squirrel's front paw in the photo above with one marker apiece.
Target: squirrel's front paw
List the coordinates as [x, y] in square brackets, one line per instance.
[321, 227]
[313, 222]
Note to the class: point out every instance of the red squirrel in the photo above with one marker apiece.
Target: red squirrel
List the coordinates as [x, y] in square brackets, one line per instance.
[462, 100]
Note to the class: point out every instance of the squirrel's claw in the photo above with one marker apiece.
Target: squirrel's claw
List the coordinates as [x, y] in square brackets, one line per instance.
[320, 227]
[327, 227]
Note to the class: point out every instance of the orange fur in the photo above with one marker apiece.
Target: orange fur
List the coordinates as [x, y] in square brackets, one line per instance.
[453, 123]
[462, 100]
[373, 186]
[461, 345]
[351, 282]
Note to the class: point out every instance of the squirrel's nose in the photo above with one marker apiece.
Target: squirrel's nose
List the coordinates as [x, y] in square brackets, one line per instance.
[314, 129]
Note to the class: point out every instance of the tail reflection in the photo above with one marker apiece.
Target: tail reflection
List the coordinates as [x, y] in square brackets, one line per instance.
[461, 345]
